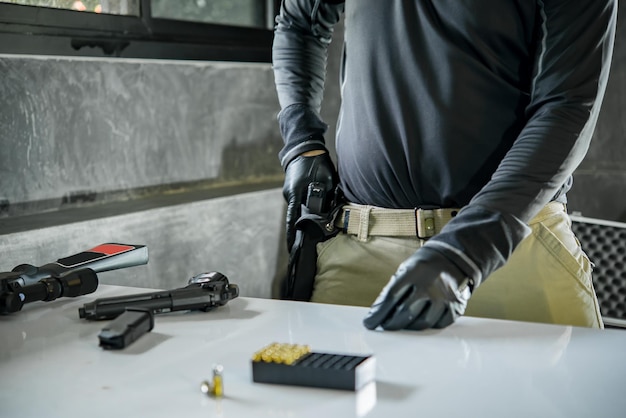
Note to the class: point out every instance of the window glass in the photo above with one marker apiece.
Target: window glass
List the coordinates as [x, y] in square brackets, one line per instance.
[117, 7]
[250, 13]
[226, 30]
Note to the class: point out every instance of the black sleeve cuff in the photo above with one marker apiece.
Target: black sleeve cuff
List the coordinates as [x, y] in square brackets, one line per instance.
[302, 130]
[479, 240]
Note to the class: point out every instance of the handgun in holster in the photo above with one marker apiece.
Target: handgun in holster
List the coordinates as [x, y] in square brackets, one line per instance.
[316, 224]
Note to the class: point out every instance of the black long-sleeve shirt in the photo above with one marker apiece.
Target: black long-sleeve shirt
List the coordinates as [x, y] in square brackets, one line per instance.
[484, 104]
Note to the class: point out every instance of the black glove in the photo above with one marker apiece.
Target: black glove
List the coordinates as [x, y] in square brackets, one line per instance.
[427, 291]
[300, 172]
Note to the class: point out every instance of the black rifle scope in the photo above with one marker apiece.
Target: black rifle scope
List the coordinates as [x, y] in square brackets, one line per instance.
[74, 283]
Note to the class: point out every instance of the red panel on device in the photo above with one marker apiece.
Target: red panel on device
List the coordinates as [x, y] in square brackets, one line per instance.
[111, 249]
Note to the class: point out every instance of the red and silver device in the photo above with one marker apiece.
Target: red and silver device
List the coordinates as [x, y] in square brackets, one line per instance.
[69, 276]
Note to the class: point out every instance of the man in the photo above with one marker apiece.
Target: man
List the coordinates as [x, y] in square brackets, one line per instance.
[461, 124]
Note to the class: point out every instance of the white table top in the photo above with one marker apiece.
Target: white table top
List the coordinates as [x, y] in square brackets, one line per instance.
[51, 365]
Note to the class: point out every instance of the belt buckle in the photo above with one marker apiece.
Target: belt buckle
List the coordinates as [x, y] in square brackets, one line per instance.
[424, 223]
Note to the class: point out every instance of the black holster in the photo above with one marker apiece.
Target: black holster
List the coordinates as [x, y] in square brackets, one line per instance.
[311, 229]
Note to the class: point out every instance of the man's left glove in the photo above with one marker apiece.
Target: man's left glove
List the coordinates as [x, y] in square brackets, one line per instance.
[427, 291]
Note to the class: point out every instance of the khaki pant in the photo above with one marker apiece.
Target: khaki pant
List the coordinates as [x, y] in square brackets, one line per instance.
[547, 279]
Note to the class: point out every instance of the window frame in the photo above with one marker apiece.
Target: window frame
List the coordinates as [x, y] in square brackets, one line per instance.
[48, 31]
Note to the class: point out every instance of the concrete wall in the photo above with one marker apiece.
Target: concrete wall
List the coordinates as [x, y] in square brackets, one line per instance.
[237, 235]
[179, 156]
[86, 129]
[600, 181]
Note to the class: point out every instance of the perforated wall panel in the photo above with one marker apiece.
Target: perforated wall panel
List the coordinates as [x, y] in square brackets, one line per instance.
[605, 244]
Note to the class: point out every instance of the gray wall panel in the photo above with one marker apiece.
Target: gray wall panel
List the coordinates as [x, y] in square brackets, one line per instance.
[88, 126]
[238, 236]
[600, 182]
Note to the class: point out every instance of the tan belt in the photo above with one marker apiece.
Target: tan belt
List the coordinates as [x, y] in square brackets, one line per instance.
[365, 220]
